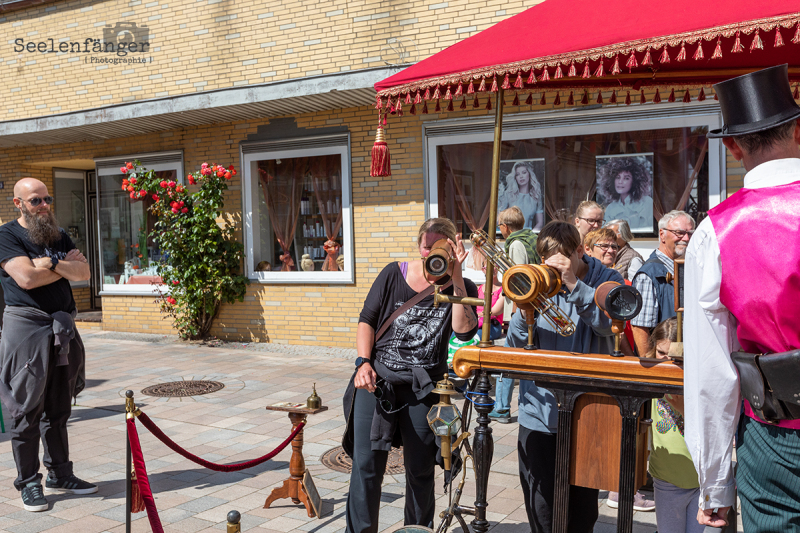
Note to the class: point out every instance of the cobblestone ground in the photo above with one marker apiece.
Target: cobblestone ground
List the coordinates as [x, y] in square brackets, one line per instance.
[228, 426]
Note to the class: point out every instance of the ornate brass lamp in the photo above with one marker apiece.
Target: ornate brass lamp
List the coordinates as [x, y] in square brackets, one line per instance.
[444, 418]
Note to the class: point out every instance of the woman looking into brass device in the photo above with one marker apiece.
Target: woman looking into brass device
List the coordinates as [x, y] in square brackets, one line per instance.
[402, 342]
[559, 245]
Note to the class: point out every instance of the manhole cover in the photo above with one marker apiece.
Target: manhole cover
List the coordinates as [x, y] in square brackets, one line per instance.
[337, 460]
[179, 389]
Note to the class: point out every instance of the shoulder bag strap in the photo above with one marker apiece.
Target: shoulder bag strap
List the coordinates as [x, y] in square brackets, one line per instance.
[406, 306]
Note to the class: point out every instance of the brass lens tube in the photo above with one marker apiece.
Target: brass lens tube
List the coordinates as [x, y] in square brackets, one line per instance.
[528, 286]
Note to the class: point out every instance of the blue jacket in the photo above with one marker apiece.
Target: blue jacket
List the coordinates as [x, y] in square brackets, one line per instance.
[537, 406]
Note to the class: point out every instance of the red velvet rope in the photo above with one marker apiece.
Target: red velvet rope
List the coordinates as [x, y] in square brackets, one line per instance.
[150, 425]
[141, 478]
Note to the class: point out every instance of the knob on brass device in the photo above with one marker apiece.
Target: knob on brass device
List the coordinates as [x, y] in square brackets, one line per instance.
[314, 401]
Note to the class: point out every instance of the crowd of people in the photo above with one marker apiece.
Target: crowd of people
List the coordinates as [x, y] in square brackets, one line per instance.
[690, 461]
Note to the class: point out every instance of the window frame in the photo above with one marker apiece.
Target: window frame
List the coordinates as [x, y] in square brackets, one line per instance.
[73, 174]
[250, 154]
[109, 166]
[583, 121]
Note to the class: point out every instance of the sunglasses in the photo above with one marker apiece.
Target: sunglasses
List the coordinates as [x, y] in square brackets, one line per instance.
[36, 201]
[385, 404]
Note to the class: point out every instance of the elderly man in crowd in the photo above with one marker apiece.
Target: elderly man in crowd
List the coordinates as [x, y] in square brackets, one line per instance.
[41, 353]
[658, 295]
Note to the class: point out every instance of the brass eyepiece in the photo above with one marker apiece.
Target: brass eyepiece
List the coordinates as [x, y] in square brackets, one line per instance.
[439, 260]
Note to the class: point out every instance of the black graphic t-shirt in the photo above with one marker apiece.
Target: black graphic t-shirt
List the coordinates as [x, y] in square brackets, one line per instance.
[56, 296]
[418, 337]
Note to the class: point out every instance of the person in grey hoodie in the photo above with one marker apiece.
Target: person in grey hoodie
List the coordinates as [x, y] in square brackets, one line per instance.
[559, 245]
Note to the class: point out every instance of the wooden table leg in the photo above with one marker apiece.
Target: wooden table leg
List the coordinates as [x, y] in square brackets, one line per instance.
[293, 487]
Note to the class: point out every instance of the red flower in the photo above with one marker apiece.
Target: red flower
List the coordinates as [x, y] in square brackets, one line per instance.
[124, 170]
[175, 210]
[233, 172]
[191, 180]
[163, 184]
[133, 196]
[175, 282]
[129, 165]
[227, 175]
[133, 180]
[171, 300]
[181, 202]
[220, 173]
[171, 184]
[155, 197]
[179, 188]
[185, 210]
[130, 188]
[230, 168]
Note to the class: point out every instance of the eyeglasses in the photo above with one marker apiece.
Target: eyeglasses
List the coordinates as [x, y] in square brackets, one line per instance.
[606, 247]
[35, 201]
[593, 221]
[679, 233]
[386, 405]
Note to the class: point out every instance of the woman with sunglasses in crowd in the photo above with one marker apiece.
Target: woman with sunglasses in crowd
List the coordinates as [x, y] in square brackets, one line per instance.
[389, 395]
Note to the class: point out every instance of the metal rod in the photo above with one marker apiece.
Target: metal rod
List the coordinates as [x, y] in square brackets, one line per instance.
[464, 300]
[128, 466]
[487, 295]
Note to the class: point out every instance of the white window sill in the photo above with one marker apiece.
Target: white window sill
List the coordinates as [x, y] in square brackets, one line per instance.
[133, 290]
[305, 278]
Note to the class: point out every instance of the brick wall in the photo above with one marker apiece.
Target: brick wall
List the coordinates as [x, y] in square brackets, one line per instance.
[386, 212]
[211, 44]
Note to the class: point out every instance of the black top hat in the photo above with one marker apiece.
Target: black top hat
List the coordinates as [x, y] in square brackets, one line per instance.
[755, 102]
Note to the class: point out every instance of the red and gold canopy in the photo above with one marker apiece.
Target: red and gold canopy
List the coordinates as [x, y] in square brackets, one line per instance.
[582, 44]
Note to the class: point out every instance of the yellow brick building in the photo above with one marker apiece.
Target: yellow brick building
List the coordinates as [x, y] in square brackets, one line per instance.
[260, 85]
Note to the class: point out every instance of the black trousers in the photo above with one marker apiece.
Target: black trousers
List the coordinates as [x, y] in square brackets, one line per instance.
[537, 474]
[47, 421]
[419, 454]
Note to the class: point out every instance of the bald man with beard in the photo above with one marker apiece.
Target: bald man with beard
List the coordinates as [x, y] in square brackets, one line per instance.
[41, 353]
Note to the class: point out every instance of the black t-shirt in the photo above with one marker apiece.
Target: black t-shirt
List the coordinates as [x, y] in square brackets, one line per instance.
[56, 296]
[418, 337]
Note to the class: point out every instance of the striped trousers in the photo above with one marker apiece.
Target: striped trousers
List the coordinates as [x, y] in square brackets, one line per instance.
[768, 477]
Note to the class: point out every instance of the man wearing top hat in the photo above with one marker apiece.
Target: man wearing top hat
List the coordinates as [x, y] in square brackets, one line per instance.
[742, 290]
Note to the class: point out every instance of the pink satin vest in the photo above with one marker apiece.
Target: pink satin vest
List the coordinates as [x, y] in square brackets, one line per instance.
[759, 240]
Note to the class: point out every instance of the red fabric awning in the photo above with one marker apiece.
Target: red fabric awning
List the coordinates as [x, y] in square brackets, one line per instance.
[562, 44]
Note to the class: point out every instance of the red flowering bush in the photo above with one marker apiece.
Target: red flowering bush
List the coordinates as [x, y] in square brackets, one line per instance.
[202, 266]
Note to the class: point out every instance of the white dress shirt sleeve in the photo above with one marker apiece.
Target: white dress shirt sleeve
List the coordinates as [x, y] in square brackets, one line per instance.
[711, 387]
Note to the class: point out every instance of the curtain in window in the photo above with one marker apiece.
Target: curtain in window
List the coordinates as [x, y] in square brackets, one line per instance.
[326, 175]
[283, 186]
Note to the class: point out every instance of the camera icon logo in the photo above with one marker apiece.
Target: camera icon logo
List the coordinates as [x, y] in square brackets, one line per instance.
[124, 33]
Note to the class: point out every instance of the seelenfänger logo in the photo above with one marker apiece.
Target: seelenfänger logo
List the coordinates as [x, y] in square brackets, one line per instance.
[120, 40]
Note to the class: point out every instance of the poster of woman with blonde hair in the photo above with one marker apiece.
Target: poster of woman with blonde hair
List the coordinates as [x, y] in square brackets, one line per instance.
[624, 187]
[521, 185]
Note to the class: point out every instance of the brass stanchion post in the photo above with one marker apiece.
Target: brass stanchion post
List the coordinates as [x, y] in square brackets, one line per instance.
[483, 444]
[129, 408]
[233, 522]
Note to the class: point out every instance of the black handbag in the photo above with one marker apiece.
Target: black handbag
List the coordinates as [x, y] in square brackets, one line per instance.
[771, 383]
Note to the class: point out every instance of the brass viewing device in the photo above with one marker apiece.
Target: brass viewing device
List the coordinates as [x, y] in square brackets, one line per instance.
[530, 287]
[620, 303]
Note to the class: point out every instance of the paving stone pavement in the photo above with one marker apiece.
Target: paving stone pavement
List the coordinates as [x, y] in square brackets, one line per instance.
[229, 426]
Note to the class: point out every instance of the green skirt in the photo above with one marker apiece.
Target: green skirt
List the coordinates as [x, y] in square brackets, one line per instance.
[768, 477]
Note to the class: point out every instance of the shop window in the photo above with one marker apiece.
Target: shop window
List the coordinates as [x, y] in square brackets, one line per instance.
[70, 209]
[637, 174]
[298, 194]
[128, 256]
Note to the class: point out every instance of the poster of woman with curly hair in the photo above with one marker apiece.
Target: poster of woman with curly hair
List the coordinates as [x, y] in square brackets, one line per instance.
[522, 185]
[624, 187]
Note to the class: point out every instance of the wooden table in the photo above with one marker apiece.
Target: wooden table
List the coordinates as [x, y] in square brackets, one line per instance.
[293, 487]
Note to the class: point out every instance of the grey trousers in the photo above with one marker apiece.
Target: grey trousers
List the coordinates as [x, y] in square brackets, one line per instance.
[48, 421]
[369, 466]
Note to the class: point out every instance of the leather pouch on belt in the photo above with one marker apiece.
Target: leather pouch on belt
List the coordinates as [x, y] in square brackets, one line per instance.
[771, 383]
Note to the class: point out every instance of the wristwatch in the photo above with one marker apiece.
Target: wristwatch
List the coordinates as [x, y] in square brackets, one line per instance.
[54, 261]
[361, 360]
